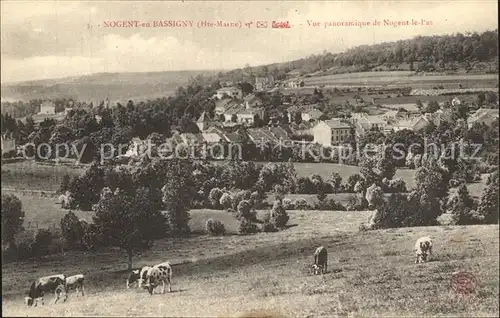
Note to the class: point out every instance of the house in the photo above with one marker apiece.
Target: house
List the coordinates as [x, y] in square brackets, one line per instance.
[441, 116]
[222, 105]
[233, 92]
[264, 82]
[302, 129]
[483, 115]
[213, 138]
[48, 108]
[331, 132]
[306, 113]
[8, 143]
[364, 123]
[273, 135]
[252, 101]
[204, 122]
[415, 124]
[312, 114]
[392, 115]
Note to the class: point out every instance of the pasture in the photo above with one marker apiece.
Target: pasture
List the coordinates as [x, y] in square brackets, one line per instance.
[33, 176]
[402, 78]
[29, 175]
[370, 273]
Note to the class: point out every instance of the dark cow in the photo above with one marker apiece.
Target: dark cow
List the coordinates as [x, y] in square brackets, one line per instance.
[50, 284]
[161, 273]
[320, 260]
[137, 275]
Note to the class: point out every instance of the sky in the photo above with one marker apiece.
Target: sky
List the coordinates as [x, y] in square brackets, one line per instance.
[53, 39]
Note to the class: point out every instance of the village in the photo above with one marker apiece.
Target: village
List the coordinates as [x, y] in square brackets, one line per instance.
[241, 116]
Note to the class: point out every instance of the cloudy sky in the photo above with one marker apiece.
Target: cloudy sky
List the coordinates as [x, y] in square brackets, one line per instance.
[63, 38]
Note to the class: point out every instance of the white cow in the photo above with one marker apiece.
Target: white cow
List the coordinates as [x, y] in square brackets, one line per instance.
[75, 282]
[161, 273]
[423, 249]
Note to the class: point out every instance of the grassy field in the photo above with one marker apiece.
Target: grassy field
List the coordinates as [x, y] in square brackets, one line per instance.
[403, 78]
[370, 273]
[30, 175]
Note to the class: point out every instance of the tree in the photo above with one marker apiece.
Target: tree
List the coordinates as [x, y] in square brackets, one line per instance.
[214, 196]
[177, 203]
[129, 222]
[65, 182]
[335, 180]
[374, 196]
[488, 206]
[279, 218]
[72, 229]
[226, 200]
[12, 218]
[461, 206]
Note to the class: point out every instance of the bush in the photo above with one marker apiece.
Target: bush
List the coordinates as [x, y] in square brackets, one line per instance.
[279, 217]
[214, 196]
[356, 203]
[91, 238]
[287, 204]
[301, 204]
[330, 205]
[453, 183]
[245, 211]
[215, 228]
[41, 244]
[72, 230]
[248, 227]
[226, 200]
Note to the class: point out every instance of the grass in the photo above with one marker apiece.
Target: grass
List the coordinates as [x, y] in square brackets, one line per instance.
[371, 273]
[29, 175]
[399, 79]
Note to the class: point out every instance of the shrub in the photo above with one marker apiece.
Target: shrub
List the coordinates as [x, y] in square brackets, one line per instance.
[91, 238]
[215, 228]
[248, 227]
[245, 211]
[42, 241]
[301, 204]
[226, 200]
[288, 204]
[279, 217]
[71, 230]
[65, 182]
[356, 203]
[454, 183]
[214, 196]
[332, 205]
[267, 225]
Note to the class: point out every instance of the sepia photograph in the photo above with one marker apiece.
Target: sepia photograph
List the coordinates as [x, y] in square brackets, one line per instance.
[250, 158]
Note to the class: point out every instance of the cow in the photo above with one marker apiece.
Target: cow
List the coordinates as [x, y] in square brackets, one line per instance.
[49, 284]
[159, 273]
[137, 275]
[320, 260]
[423, 249]
[75, 282]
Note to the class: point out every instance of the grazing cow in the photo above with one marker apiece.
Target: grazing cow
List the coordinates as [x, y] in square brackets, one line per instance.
[75, 282]
[137, 275]
[159, 273]
[49, 284]
[320, 260]
[423, 248]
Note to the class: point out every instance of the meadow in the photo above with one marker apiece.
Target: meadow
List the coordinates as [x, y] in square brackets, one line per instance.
[370, 273]
[402, 78]
[30, 175]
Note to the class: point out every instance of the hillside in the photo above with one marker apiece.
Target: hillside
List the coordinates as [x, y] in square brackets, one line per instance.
[463, 53]
[370, 273]
[97, 87]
